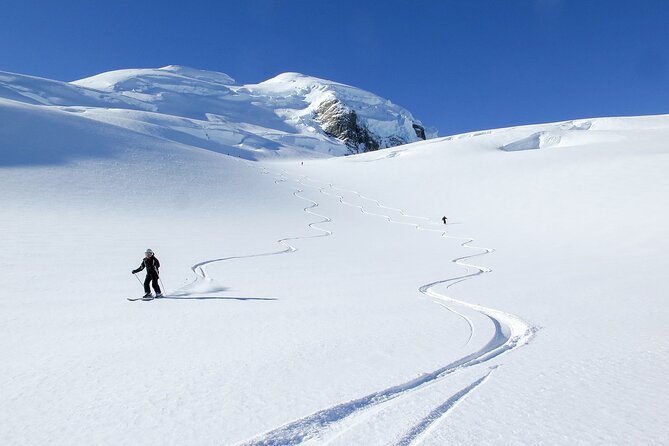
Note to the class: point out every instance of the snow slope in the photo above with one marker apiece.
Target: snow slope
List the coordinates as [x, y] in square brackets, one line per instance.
[576, 226]
[322, 301]
[276, 118]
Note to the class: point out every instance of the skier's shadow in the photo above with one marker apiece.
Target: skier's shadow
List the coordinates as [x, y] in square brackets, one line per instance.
[244, 299]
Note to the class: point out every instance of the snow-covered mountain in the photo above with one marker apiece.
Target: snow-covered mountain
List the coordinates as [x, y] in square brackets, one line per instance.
[322, 300]
[291, 114]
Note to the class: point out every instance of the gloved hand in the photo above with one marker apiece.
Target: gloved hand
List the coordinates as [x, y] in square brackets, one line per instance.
[134, 271]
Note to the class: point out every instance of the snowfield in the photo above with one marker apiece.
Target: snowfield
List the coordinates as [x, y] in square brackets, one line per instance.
[321, 300]
[278, 118]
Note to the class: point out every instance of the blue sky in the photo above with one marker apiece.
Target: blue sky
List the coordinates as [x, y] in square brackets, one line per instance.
[456, 65]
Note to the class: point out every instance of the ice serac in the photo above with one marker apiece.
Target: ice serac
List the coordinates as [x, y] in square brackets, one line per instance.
[170, 78]
[286, 116]
[172, 90]
[291, 108]
[362, 120]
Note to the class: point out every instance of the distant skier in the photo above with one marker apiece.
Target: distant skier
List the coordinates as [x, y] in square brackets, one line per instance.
[151, 263]
[444, 219]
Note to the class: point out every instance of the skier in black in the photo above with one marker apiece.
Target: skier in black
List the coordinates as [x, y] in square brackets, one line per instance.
[151, 263]
[444, 219]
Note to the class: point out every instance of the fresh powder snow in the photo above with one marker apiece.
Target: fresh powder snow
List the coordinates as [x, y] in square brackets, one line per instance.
[320, 299]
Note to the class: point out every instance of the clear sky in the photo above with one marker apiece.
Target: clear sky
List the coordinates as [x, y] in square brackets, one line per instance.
[457, 65]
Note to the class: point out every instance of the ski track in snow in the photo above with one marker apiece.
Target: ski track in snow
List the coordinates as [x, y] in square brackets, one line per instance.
[510, 333]
[199, 269]
[421, 430]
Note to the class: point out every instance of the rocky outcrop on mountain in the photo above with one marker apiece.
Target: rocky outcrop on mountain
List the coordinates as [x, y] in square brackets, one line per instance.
[291, 114]
[359, 120]
[420, 131]
[342, 122]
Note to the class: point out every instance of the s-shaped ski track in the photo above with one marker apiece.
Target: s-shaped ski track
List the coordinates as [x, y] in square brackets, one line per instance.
[200, 271]
[510, 333]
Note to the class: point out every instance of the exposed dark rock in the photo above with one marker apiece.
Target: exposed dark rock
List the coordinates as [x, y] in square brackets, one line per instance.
[420, 130]
[341, 122]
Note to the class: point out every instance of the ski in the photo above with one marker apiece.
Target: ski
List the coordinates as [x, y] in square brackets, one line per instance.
[151, 264]
[133, 299]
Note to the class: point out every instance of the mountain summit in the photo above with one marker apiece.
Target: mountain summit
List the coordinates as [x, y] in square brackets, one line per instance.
[290, 114]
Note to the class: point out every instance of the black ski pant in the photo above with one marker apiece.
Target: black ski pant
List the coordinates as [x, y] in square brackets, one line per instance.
[153, 280]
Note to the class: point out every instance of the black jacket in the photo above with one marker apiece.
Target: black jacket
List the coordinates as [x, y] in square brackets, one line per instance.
[151, 264]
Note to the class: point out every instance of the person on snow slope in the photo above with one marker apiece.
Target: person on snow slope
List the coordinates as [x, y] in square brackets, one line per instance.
[151, 263]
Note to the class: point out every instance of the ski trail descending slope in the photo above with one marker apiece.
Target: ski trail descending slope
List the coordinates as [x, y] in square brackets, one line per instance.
[422, 429]
[204, 283]
[510, 332]
[509, 328]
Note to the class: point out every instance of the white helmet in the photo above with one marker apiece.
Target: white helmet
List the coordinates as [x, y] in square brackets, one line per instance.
[148, 251]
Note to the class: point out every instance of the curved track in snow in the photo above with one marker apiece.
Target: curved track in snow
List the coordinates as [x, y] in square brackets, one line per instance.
[510, 332]
[202, 279]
